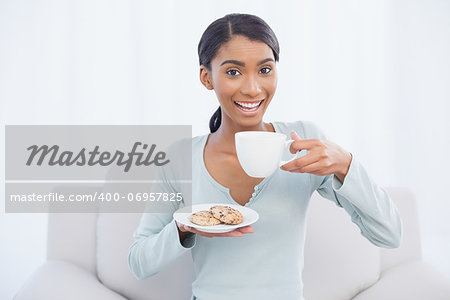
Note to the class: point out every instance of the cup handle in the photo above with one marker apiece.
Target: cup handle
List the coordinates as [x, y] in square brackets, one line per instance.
[288, 144]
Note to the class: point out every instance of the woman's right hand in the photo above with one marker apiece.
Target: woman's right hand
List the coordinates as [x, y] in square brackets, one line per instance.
[239, 232]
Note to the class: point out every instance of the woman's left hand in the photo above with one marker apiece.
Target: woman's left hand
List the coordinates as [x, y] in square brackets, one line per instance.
[323, 158]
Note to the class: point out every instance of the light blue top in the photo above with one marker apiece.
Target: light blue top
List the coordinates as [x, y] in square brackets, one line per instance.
[266, 264]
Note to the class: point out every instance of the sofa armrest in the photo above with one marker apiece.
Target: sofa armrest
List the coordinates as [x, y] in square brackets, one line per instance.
[415, 280]
[56, 280]
[410, 248]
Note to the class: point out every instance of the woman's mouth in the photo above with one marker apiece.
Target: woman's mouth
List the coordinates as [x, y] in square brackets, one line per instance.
[249, 107]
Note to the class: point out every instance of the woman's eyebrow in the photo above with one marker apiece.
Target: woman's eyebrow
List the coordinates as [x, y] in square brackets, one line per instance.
[239, 63]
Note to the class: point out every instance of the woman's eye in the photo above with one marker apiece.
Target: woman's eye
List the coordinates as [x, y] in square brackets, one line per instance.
[265, 70]
[233, 72]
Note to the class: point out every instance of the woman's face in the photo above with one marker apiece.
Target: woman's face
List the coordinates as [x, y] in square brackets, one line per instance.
[243, 75]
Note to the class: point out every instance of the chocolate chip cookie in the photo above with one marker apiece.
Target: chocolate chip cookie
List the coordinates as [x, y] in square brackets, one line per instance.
[204, 218]
[226, 214]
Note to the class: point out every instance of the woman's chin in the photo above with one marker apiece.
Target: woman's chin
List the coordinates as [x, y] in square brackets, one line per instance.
[248, 124]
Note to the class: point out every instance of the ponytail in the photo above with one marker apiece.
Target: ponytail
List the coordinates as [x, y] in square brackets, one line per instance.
[216, 119]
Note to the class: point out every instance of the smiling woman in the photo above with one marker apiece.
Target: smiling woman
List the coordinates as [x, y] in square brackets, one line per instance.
[238, 55]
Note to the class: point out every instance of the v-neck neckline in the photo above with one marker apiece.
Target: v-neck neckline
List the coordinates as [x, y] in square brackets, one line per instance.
[257, 188]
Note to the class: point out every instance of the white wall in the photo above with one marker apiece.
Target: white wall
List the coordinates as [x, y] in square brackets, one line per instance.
[419, 42]
[373, 74]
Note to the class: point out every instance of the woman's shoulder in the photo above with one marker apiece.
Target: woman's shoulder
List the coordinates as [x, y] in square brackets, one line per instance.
[184, 143]
[198, 141]
[305, 129]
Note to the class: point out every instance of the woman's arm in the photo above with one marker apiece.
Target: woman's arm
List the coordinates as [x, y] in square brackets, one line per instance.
[368, 205]
[157, 241]
[156, 245]
[347, 183]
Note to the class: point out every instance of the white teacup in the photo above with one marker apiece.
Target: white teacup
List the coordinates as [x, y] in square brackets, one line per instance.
[260, 152]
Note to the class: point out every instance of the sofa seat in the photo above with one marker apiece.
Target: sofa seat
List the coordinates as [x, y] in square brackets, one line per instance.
[87, 260]
[63, 280]
[413, 280]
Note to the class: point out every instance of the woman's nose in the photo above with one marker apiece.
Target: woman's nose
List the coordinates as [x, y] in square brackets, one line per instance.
[251, 87]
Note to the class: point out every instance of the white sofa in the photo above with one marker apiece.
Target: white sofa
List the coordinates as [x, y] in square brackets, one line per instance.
[87, 259]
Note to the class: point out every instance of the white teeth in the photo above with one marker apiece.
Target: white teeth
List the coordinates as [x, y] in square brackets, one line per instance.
[248, 105]
[249, 109]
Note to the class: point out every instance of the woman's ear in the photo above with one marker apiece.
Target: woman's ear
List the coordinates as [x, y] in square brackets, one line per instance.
[205, 78]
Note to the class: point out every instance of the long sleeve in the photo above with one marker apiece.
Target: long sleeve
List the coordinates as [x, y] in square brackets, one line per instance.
[156, 245]
[368, 205]
[156, 240]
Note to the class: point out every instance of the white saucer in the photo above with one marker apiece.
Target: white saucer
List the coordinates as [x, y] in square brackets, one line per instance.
[183, 216]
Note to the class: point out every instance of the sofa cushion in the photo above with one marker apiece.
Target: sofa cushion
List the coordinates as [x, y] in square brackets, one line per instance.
[68, 233]
[415, 280]
[56, 280]
[114, 237]
[339, 261]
